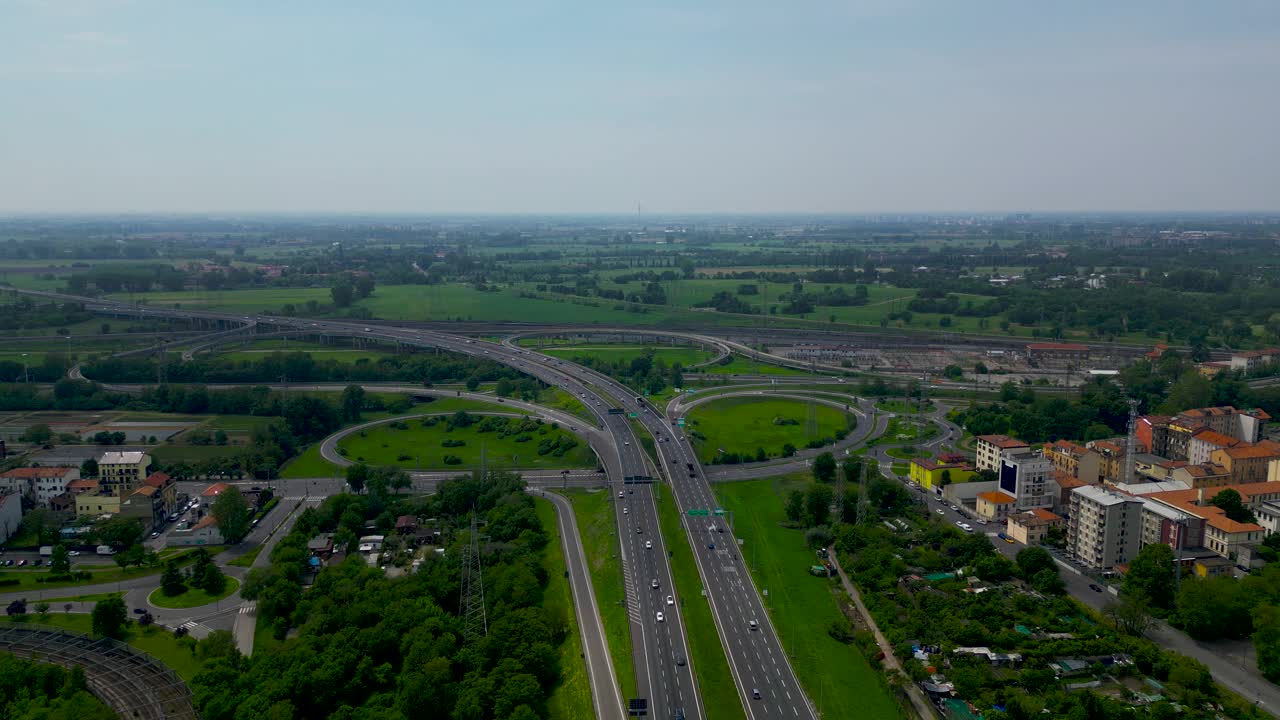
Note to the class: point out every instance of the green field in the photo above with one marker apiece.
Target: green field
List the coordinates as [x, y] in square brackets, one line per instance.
[802, 606]
[193, 597]
[739, 365]
[686, 356]
[155, 641]
[593, 512]
[420, 447]
[902, 431]
[310, 465]
[571, 698]
[716, 687]
[904, 406]
[743, 424]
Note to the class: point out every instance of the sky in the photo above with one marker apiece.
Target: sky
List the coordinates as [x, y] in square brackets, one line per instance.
[824, 106]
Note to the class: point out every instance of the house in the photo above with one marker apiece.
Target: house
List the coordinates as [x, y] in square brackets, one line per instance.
[166, 493]
[1111, 453]
[989, 447]
[212, 492]
[1222, 535]
[203, 532]
[1247, 463]
[321, 545]
[995, 506]
[1250, 360]
[10, 515]
[406, 524]
[1246, 425]
[1075, 460]
[120, 472]
[97, 503]
[1213, 567]
[38, 484]
[142, 505]
[1031, 527]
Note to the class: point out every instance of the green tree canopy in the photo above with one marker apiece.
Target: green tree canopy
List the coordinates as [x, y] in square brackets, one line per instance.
[231, 511]
[110, 617]
[1151, 576]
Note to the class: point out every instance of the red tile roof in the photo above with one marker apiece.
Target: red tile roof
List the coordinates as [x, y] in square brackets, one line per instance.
[1044, 514]
[1214, 437]
[38, 472]
[214, 489]
[997, 498]
[1004, 442]
[158, 479]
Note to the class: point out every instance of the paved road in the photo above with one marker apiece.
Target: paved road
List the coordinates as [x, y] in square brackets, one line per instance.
[606, 696]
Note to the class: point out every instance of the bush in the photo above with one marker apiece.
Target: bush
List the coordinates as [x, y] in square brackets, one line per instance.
[452, 460]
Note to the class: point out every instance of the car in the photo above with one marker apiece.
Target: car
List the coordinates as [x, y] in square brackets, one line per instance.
[139, 611]
[671, 600]
[367, 330]
[654, 584]
[755, 693]
[1095, 587]
[753, 625]
[711, 546]
[73, 553]
[956, 508]
[648, 544]
[680, 660]
[37, 562]
[155, 535]
[621, 494]
[639, 529]
[626, 442]
[960, 523]
[1009, 540]
[940, 511]
[626, 511]
[660, 617]
[8, 563]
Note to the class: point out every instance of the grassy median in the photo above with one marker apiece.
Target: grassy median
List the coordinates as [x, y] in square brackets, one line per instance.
[594, 513]
[710, 666]
[571, 698]
[802, 606]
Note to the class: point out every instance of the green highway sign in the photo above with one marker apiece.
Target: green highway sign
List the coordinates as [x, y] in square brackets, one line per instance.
[698, 513]
[719, 511]
[679, 422]
[631, 414]
[690, 391]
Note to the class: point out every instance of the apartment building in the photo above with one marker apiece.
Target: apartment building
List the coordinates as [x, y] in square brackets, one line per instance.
[1205, 440]
[1251, 360]
[995, 506]
[38, 484]
[989, 447]
[1075, 460]
[1204, 475]
[10, 515]
[1104, 528]
[1031, 527]
[1245, 425]
[1247, 463]
[1027, 476]
[119, 473]
[929, 472]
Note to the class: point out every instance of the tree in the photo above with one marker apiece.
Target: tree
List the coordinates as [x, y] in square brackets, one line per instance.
[1266, 640]
[1032, 560]
[817, 503]
[109, 617]
[231, 512]
[1214, 608]
[788, 450]
[357, 477]
[1151, 576]
[120, 532]
[37, 434]
[42, 609]
[60, 562]
[795, 506]
[824, 468]
[1191, 390]
[171, 580]
[1233, 506]
[1131, 614]
[852, 470]
[342, 294]
[89, 469]
[209, 579]
[352, 403]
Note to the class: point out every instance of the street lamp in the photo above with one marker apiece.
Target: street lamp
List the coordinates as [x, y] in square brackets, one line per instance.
[26, 375]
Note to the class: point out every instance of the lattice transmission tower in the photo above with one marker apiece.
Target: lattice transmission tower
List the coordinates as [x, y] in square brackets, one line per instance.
[475, 622]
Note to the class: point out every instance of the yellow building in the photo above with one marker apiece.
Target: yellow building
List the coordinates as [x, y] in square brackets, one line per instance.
[97, 504]
[120, 473]
[927, 472]
[995, 506]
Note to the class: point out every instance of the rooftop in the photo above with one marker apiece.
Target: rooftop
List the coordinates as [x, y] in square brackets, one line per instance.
[1002, 441]
[38, 472]
[1213, 437]
[1101, 496]
[214, 489]
[128, 457]
[158, 479]
[997, 498]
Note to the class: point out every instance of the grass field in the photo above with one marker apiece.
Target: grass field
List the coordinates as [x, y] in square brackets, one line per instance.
[802, 606]
[246, 560]
[594, 514]
[157, 642]
[193, 597]
[739, 365]
[904, 406]
[571, 698]
[715, 682]
[686, 356]
[907, 453]
[564, 401]
[901, 430]
[310, 464]
[420, 448]
[743, 424]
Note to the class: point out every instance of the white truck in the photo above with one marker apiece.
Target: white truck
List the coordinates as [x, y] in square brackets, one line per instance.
[46, 551]
[105, 550]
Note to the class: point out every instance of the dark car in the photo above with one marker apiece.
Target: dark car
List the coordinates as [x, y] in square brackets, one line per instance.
[1095, 587]
[139, 611]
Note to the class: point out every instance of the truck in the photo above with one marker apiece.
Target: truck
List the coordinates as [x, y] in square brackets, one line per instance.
[105, 550]
[46, 550]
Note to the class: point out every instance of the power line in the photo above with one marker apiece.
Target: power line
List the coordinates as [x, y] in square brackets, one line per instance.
[475, 622]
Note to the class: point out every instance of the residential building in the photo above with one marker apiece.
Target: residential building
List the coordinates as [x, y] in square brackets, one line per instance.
[141, 504]
[1207, 474]
[1028, 477]
[10, 515]
[995, 506]
[1064, 356]
[97, 503]
[1065, 484]
[211, 492]
[1031, 527]
[1153, 432]
[38, 484]
[1075, 460]
[1251, 360]
[1166, 524]
[1178, 437]
[1246, 425]
[928, 472]
[1111, 454]
[202, 532]
[1268, 514]
[1105, 527]
[989, 447]
[1205, 440]
[119, 473]
[1247, 463]
[166, 496]
[1222, 535]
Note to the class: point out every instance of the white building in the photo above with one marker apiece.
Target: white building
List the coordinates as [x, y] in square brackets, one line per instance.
[1105, 527]
[10, 515]
[1027, 475]
[38, 484]
[989, 447]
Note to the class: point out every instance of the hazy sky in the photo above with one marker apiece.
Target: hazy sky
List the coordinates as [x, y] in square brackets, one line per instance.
[703, 105]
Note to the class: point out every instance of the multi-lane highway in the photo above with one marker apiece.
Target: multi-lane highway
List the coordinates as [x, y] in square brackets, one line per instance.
[765, 680]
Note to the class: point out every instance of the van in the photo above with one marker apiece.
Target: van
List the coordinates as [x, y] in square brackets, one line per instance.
[46, 550]
[105, 550]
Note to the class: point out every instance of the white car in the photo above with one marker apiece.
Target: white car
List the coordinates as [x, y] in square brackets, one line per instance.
[660, 617]
[671, 600]
[620, 494]
[648, 544]
[654, 584]
[626, 511]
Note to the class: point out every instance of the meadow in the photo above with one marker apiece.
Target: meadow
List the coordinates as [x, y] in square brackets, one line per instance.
[744, 424]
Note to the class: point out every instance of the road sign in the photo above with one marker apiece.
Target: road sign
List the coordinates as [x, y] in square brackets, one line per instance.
[719, 511]
[679, 422]
[689, 391]
[698, 513]
[631, 415]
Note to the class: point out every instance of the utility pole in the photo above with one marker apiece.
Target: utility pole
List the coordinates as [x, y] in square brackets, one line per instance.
[475, 620]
